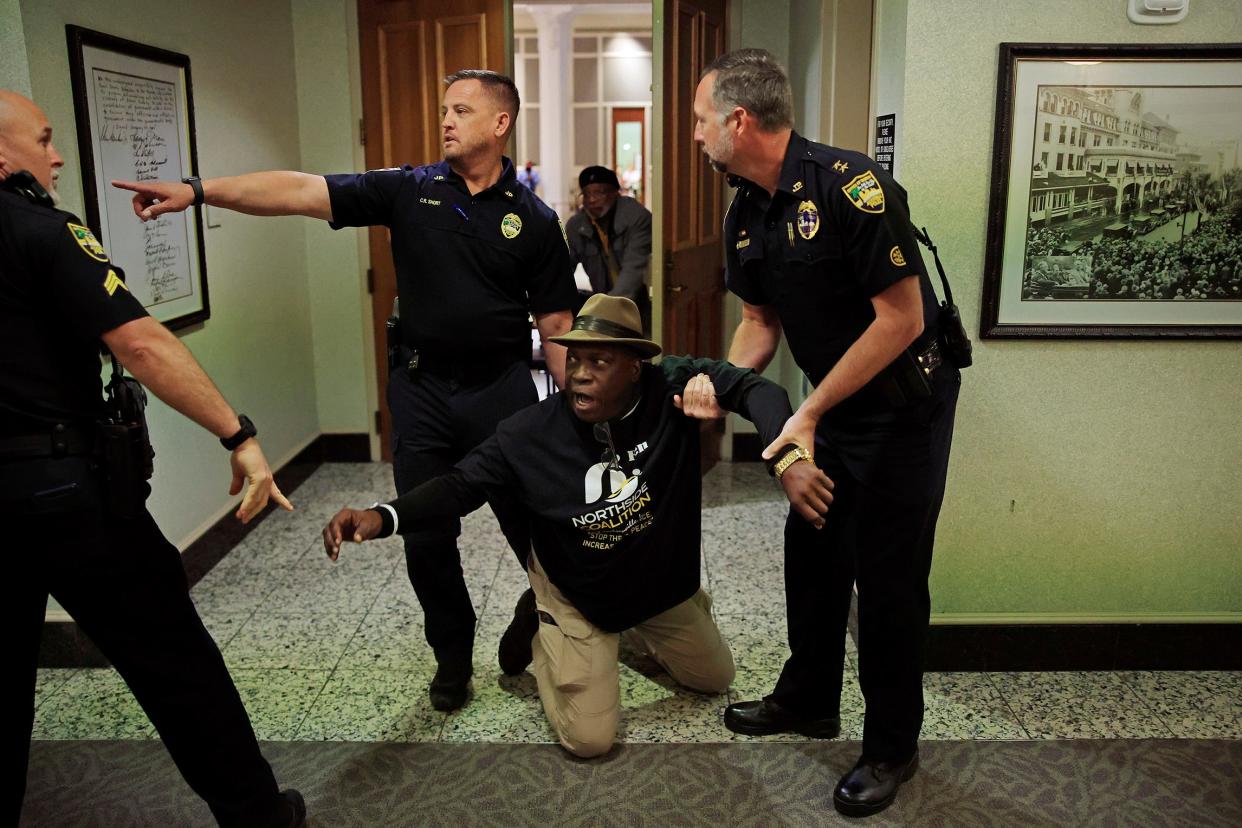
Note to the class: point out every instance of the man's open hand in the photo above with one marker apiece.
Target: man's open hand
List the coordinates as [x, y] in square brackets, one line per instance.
[355, 525]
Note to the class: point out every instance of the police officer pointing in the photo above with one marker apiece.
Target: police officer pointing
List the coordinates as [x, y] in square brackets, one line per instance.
[819, 246]
[474, 251]
[71, 529]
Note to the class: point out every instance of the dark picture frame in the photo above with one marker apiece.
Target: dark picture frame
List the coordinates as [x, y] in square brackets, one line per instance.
[134, 107]
[1116, 196]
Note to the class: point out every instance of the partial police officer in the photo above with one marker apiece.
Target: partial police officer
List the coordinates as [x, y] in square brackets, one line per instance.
[114, 573]
[474, 251]
[819, 245]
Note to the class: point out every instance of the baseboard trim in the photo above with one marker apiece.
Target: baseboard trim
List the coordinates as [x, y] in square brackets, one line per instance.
[64, 645]
[1041, 647]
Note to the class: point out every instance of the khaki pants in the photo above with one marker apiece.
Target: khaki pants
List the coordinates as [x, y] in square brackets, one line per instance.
[575, 662]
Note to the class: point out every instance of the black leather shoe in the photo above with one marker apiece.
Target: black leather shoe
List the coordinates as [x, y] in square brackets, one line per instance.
[872, 786]
[295, 806]
[451, 685]
[765, 717]
[515, 653]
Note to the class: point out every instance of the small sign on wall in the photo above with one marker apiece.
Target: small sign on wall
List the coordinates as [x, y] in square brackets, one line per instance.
[885, 141]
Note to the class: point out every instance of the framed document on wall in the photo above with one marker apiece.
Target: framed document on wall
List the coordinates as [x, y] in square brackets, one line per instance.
[135, 117]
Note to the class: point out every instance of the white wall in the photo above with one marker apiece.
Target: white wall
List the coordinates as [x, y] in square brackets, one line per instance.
[258, 344]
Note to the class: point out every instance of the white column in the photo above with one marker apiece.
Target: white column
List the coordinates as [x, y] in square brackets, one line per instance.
[555, 26]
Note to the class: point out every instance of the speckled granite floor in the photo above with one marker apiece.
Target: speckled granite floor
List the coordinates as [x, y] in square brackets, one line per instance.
[332, 665]
[335, 652]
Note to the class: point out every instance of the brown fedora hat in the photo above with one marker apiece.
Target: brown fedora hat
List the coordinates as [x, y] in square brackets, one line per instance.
[609, 320]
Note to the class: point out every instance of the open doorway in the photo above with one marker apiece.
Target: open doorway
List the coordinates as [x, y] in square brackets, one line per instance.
[584, 70]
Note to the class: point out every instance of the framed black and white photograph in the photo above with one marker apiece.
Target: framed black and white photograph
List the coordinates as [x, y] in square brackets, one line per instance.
[135, 116]
[1116, 200]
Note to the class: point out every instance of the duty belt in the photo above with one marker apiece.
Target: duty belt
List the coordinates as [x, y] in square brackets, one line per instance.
[61, 440]
[468, 369]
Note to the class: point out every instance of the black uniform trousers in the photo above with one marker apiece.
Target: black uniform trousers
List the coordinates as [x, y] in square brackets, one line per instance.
[124, 585]
[889, 469]
[437, 419]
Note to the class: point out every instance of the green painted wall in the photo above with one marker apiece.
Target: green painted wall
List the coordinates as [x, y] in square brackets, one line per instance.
[14, 71]
[258, 344]
[325, 36]
[1092, 480]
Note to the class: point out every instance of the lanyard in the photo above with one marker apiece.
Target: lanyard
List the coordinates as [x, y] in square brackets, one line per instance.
[609, 260]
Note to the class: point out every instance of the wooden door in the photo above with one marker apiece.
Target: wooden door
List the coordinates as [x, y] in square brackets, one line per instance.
[693, 197]
[693, 256]
[408, 47]
[628, 141]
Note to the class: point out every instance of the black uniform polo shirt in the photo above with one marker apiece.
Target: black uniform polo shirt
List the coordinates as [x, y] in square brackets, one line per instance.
[469, 268]
[58, 295]
[836, 233]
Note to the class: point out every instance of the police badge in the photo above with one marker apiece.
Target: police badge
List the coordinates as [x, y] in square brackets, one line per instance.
[511, 225]
[808, 220]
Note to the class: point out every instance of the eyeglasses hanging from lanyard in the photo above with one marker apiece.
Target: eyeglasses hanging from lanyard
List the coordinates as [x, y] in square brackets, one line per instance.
[603, 434]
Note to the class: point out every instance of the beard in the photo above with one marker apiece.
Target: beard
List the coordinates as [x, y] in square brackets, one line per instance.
[719, 154]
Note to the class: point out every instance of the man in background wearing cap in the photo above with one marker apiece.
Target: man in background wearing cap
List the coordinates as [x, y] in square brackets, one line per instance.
[609, 473]
[611, 238]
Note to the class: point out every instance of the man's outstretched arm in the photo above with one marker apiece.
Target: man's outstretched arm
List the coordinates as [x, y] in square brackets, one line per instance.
[278, 193]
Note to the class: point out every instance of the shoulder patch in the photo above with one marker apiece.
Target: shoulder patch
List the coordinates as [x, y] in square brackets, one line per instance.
[896, 256]
[864, 192]
[87, 241]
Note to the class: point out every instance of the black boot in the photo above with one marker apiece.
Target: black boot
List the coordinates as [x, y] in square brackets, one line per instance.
[295, 807]
[451, 685]
[765, 717]
[514, 653]
[872, 786]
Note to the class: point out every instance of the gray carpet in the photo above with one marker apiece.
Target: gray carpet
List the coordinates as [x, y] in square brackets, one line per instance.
[1049, 783]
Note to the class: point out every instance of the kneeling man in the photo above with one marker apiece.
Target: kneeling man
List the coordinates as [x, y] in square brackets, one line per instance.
[609, 472]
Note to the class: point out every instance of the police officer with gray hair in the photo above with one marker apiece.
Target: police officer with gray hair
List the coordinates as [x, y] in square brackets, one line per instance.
[819, 247]
[73, 471]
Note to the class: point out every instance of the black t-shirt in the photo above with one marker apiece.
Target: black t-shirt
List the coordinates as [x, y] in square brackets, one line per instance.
[469, 268]
[58, 294]
[621, 541]
[835, 234]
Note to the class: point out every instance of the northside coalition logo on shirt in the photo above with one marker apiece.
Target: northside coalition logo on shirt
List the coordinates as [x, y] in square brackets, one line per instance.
[621, 505]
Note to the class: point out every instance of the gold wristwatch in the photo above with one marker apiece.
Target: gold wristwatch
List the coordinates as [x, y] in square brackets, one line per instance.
[793, 456]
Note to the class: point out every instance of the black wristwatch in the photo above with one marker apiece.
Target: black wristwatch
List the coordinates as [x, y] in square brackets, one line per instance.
[243, 434]
[197, 183]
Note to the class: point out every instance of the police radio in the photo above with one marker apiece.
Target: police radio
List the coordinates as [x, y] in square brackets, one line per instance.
[953, 333]
[24, 184]
[128, 457]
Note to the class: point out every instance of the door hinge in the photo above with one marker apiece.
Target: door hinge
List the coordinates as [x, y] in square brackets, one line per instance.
[379, 423]
[362, 132]
[370, 280]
